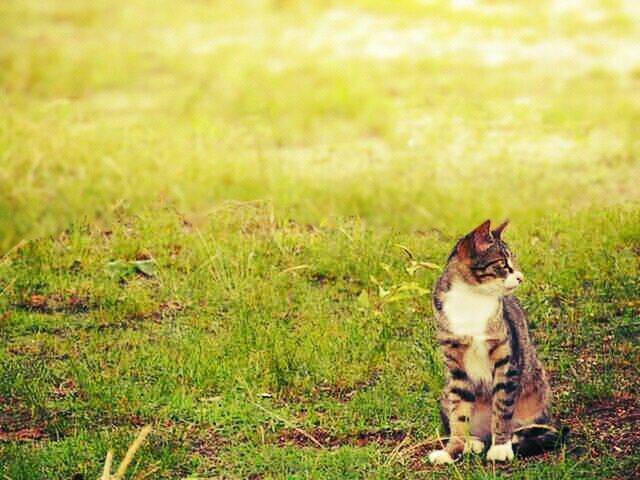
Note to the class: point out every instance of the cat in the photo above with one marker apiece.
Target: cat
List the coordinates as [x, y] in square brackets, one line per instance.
[496, 392]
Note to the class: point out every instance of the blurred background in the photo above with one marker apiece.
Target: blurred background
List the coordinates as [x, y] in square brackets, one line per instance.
[410, 114]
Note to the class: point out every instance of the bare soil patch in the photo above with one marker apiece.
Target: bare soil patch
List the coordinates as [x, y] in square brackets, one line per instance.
[17, 423]
[68, 302]
[613, 424]
[290, 437]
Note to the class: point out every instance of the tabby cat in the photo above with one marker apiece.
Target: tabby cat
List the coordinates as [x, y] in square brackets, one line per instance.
[496, 392]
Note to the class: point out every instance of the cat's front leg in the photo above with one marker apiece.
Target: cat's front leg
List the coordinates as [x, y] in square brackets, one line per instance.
[506, 380]
[460, 396]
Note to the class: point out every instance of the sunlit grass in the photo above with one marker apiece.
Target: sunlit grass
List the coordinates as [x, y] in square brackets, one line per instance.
[364, 110]
[251, 311]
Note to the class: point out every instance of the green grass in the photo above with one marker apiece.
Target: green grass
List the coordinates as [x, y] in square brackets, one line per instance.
[251, 313]
[205, 211]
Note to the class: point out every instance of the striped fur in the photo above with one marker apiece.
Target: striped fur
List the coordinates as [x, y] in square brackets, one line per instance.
[495, 382]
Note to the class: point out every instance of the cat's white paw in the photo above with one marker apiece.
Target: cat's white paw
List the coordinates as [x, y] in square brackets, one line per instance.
[440, 457]
[472, 445]
[500, 453]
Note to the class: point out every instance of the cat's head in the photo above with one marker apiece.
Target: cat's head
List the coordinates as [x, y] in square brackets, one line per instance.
[485, 261]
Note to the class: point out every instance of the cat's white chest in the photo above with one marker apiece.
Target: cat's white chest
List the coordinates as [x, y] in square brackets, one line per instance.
[468, 313]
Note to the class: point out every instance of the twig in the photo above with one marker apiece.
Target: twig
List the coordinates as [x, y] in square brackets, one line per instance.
[106, 471]
[133, 448]
[122, 468]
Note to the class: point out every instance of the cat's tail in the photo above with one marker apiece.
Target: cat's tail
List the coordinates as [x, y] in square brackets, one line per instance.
[538, 438]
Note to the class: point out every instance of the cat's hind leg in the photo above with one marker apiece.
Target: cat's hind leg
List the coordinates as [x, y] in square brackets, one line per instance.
[533, 431]
[537, 439]
[537, 436]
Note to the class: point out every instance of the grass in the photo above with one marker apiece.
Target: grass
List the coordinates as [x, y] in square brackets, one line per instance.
[206, 214]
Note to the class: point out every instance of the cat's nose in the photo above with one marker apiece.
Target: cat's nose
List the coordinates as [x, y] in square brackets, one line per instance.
[519, 276]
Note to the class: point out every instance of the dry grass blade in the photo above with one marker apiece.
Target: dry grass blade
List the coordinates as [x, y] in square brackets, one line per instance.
[396, 450]
[133, 448]
[106, 471]
[147, 473]
[290, 425]
[296, 268]
[5, 257]
[406, 251]
[122, 468]
[430, 441]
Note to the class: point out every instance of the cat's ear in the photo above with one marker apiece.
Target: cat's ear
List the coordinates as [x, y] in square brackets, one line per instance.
[498, 231]
[476, 242]
[482, 238]
[464, 248]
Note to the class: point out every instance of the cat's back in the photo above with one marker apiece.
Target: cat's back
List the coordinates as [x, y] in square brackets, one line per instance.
[523, 348]
[514, 315]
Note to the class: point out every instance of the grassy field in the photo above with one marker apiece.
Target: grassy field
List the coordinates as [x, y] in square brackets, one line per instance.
[225, 219]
